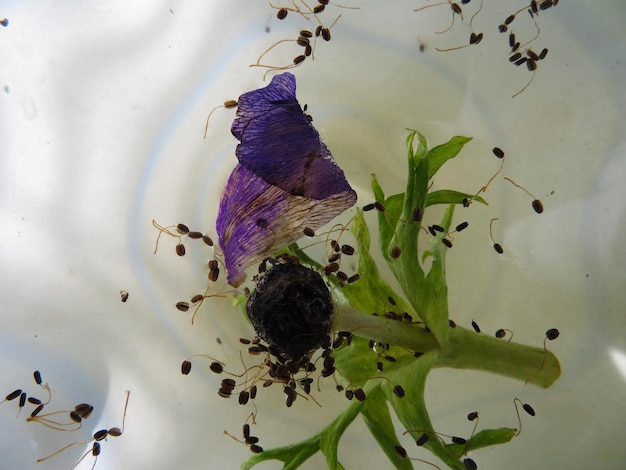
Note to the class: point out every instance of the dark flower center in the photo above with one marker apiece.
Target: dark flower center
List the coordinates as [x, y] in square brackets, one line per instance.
[291, 309]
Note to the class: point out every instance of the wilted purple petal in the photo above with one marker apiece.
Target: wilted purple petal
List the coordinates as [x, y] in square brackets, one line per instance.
[286, 179]
[279, 143]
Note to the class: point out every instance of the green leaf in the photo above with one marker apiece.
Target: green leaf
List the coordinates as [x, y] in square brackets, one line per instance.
[447, 196]
[444, 152]
[378, 420]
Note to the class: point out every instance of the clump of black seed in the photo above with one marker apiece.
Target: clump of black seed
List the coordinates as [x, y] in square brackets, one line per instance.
[291, 309]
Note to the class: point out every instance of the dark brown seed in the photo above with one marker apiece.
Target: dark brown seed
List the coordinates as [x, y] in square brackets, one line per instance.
[195, 235]
[185, 367]
[446, 242]
[502, 28]
[552, 334]
[323, 2]
[473, 38]
[417, 214]
[472, 416]
[37, 374]
[182, 229]
[515, 47]
[253, 391]
[533, 6]
[347, 250]
[115, 432]
[458, 440]
[543, 54]
[326, 34]
[500, 333]
[462, 226]
[470, 464]
[318, 30]
[216, 367]
[305, 33]
[308, 50]
[368, 207]
[302, 41]
[230, 104]
[438, 228]
[475, 326]
[299, 59]
[456, 8]
[423, 439]
[34, 401]
[213, 264]
[246, 431]
[354, 278]
[498, 248]
[528, 409]
[532, 55]
[545, 4]
[331, 268]
[182, 306]
[75, 417]
[349, 394]
[343, 277]
[497, 151]
[22, 399]
[197, 298]
[513, 58]
[252, 440]
[84, 410]
[329, 361]
[36, 411]
[398, 391]
[180, 249]
[335, 246]
[531, 65]
[208, 240]
[95, 450]
[359, 394]
[319, 8]
[395, 252]
[538, 206]
[521, 61]
[511, 39]
[479, 37]
[309, 232]
[13, 395]
[328, 372]
[452, 323]
[432, 231]
[99, 435]
[282, 14]
[244, 396]
[214, 274]
[509, 20]
[400, 451]
[255, 449]
[224, 392]
[379, 206]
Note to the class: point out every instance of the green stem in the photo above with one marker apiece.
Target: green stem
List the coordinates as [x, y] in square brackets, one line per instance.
[464, 349]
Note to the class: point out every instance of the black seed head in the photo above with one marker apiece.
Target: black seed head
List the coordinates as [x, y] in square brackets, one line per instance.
[552, 334]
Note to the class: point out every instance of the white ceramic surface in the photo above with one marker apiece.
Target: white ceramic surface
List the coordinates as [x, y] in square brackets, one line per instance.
[102, 114]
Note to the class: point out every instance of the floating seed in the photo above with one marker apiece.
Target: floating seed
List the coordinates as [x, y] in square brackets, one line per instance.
[309, 232]
[302, 41]
[299, 59]
[423, 439]
[99, 435]
[255, 449]
[545, 4]
[531, 65]
[379, 206]
[180, 249]
[502, 28]
[456, 8]
[533, 6]
[497, 151]
[368, 207]
[500, 333]
[34, 401]
[214, 274]
[207, 240]
[458, 440]
[359, 394]
[475, 326]
[462, 226]
[319, 8]
[83, 410]
[115, 432]
[13, 395]
[537, 206]
[446, 242]
[552, 334]
[511, 40]
[532, 55]
[182, 229]
[543, 54]
[470, 464]
[244, 396]
[22, 399]
[228, 104]
[282, 14]
[498, 248]
[349, 394]
[513, 58]
[95, 450]
[521, 61]
[308, 50]
[75, 417]
[252, 440]
[216, 367]
[528, 409]
[395, 252]
[246, 431]
[400, 451]
[354, 278]
[398, 391]
[432, 231]
[305, 33]
[472, 416]
[318, 31]
[182, 306]
[417, 214]
[197, 298]
[185, 367]
[37, 377]
[509, 20]
[347, 250]
[331, 268]
[36, 411]
[451, 323]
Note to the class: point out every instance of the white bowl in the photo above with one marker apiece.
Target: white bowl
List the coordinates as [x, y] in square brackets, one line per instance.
[103, 115]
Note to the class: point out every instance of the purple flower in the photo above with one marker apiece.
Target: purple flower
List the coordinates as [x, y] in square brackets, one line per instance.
[286, 179]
